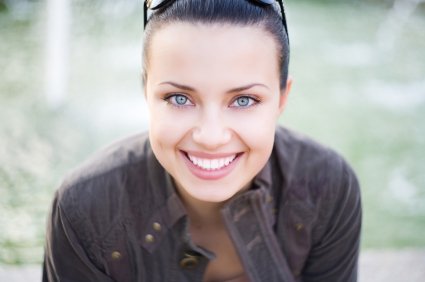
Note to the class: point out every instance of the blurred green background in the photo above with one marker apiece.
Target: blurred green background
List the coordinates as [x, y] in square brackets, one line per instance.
[359, 71]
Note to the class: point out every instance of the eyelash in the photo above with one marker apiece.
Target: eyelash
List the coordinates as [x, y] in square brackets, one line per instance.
[252, 100]
[169, 97]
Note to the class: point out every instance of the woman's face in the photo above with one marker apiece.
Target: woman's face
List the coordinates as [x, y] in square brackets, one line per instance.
[214, 98]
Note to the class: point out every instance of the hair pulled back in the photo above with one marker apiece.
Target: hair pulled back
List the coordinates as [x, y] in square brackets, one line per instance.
[234, 12]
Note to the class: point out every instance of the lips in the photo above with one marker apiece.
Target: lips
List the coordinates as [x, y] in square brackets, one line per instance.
[210, 166]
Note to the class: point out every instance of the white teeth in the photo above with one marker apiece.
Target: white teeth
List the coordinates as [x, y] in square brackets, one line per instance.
[211, 164]
[214, 164]
[206, 164]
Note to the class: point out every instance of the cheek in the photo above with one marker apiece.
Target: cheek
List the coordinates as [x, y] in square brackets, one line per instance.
[259, 139]
[257, 131]
[167, 129]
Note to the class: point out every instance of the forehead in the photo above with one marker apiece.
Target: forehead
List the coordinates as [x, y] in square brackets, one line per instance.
[212, 50]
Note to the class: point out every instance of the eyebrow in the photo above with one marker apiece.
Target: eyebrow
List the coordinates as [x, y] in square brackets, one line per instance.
[233, 90]
[177, 85]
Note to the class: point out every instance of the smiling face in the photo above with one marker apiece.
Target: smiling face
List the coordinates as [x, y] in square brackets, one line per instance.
[214, 97]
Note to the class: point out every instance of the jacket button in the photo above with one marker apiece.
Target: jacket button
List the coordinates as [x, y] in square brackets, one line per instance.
[156, 226]
[190, 260]
[296, 272]
[115, 255]
[149, 238]
[299, 226]
[269, 199]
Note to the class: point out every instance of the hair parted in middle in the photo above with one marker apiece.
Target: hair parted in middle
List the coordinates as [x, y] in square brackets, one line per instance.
[233, 12]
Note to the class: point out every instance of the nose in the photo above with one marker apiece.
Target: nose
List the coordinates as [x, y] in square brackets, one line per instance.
[211, 132]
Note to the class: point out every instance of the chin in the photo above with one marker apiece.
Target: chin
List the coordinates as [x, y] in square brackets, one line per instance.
[211, 194]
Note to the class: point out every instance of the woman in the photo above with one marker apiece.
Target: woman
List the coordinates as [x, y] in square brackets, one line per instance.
[215, 191]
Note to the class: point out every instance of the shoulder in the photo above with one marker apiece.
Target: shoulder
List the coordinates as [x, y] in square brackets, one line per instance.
[302, 158]
[296, 146]
[94, 195]
[110, 160]
[317, 179]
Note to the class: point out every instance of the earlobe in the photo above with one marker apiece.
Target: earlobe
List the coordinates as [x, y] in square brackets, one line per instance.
[284, 94]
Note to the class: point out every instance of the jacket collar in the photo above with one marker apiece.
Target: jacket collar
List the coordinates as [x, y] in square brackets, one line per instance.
[170, 209]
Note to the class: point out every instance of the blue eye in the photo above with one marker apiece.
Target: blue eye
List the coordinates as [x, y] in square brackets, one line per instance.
[181, 100]
[178, 100]
[244, 102]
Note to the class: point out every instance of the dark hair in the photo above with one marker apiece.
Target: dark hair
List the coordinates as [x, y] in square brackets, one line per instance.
[236, 12]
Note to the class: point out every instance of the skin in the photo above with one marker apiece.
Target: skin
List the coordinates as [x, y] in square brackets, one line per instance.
[213, 91]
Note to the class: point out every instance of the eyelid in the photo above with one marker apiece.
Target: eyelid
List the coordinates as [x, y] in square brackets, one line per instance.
[256, 100]
[168, 96]
[253, 98]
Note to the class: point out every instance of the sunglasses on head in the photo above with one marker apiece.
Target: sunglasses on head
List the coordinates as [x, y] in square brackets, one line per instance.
[158, 4]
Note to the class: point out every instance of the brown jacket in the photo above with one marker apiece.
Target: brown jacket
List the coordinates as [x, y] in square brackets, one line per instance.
[118, 218]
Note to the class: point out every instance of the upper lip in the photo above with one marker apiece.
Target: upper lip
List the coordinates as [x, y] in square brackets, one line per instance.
[204, 155]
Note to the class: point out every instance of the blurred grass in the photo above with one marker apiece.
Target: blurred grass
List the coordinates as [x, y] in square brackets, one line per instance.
[365, 101]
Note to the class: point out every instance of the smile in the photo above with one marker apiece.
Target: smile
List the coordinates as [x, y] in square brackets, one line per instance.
[211, 164]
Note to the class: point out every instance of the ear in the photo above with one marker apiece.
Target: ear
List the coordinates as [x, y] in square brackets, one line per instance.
[284, 94]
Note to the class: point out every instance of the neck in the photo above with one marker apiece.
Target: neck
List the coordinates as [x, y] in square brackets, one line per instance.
[203, 214]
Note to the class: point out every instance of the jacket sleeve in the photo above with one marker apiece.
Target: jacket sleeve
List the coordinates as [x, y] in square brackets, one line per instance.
[65, 258]
[335, 256]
